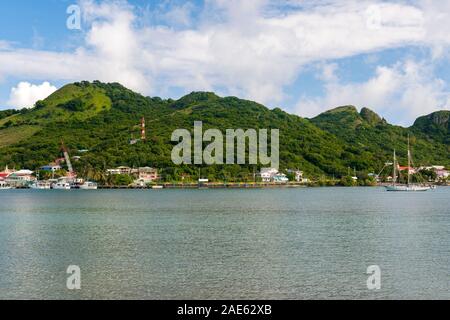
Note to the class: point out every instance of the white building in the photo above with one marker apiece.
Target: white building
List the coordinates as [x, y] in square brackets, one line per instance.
[267, 174]
[442, 174]
[272, 175]
[144, 175]
[147, 174]
[298, 175]
[120, 170]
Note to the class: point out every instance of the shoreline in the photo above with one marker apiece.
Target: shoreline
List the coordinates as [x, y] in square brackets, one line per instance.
[192, 186]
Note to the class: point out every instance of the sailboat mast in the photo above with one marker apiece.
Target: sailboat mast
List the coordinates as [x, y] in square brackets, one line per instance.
[394, 178]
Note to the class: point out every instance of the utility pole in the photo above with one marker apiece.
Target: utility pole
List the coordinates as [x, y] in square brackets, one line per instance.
[409, 163]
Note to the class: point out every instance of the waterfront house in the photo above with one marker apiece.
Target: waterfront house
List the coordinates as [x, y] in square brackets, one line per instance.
[297, 174]
[148, 174]
[21, 178]
[442, 174]
[142, 175]
[120, 170]
[267, 174]
[145, 175]
[272, 175]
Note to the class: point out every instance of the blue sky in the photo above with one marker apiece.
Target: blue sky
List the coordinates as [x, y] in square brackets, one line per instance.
[303, 56]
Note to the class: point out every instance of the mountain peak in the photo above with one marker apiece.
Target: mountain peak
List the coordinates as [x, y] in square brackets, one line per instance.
[439, 119]
[435, 125]
[195, 97]
[370, 116]
[80, 100]
[347, 109]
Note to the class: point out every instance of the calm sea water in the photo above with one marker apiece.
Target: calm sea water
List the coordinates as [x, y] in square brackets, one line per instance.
[225, 244]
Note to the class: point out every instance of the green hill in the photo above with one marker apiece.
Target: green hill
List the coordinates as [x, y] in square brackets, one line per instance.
[102, 118]
[372, 139]
[435, 126]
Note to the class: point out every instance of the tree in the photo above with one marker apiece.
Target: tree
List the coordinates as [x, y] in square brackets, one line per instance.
[348, 181]
[429, 175]
[121, 180]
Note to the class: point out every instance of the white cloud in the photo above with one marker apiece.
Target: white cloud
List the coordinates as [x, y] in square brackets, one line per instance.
[436, 25]
[25, 94]
[253, 48]
[403, 91]
[169, 12]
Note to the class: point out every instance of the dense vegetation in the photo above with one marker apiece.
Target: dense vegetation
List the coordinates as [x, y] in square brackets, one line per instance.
[435, 126]
[8, 113]
[371, 139]
[103, 118]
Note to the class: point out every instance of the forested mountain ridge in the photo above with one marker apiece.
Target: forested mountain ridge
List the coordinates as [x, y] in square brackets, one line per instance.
[372, 138]
[435, 125]
[103, 118]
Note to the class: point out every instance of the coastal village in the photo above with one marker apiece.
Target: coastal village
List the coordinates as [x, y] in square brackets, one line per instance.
[148, 177]
[60, 174]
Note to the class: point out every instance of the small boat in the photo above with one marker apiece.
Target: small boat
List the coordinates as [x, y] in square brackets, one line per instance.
[41, 185]
[408, 187]
[157, 187]
[4, 186]
[88, 185]
[61, 186]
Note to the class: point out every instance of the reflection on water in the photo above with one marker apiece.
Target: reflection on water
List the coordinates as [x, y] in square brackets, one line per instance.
[225, 244]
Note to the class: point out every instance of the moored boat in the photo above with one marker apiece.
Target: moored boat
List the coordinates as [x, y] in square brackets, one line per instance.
[88, 185]
[61, 186]
[4, 186]
[41, 185]
[408, 187]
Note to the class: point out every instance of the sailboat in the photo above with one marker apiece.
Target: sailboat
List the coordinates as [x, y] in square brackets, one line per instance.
[409, 186]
